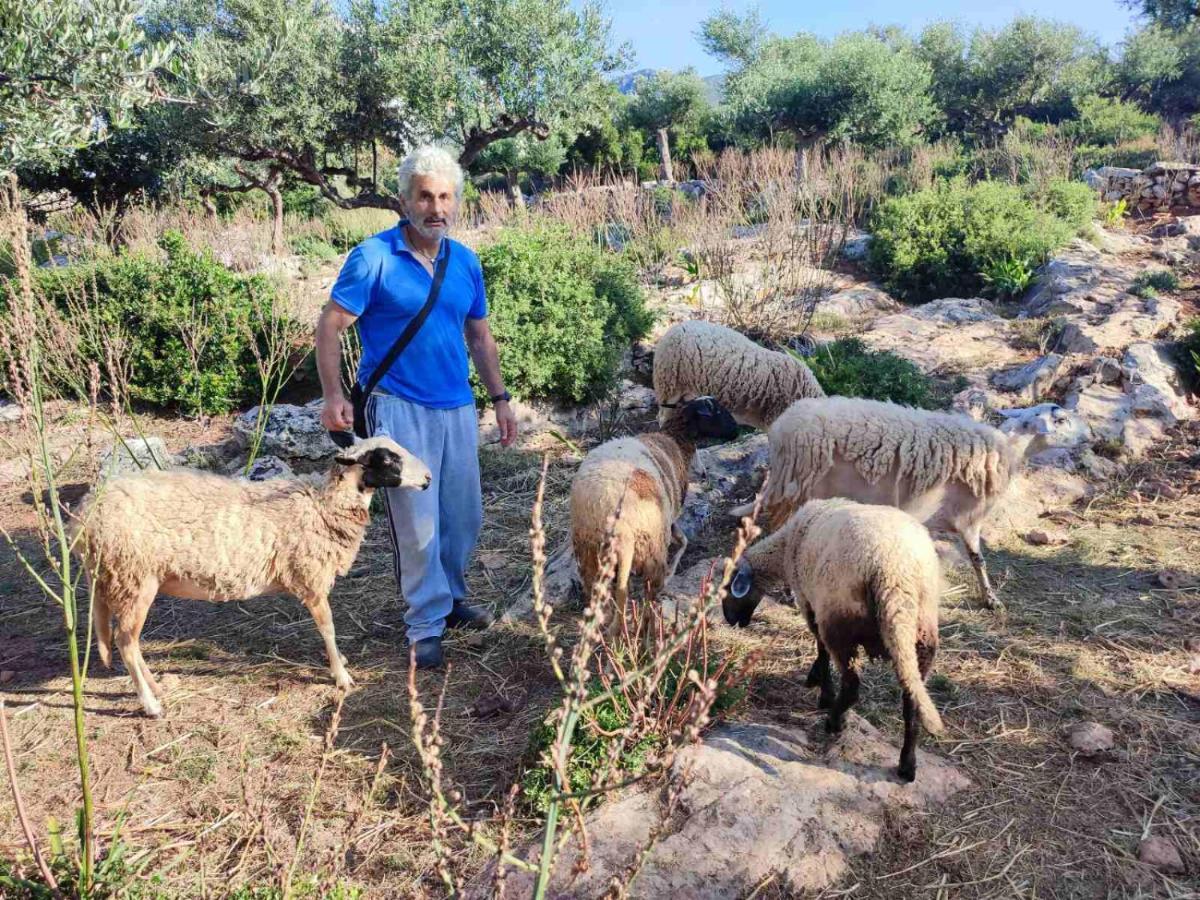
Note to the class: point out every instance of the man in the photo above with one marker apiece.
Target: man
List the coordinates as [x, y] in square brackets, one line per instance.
[423, 402]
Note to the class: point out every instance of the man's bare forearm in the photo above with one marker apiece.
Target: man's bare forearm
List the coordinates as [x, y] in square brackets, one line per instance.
[329, 352]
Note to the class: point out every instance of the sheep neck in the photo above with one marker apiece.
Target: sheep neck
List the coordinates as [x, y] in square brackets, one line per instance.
[345, 506]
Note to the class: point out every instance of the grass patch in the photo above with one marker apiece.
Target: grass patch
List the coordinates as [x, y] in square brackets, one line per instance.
[1151, 284]
[847, 367]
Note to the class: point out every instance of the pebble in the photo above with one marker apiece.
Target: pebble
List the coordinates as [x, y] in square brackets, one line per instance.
[1090, 738]
[7, 675]
[1043, 537]
[1161, 854]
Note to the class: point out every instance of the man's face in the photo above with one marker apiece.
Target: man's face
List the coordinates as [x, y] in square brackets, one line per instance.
[431, 205]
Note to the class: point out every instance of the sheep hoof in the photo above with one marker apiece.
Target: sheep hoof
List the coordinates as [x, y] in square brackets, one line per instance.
[834, 724]
[993, 602]
[345, 682]
[907, 772]
[153, 710]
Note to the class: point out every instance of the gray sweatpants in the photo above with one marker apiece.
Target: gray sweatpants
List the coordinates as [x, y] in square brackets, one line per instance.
[433, 531]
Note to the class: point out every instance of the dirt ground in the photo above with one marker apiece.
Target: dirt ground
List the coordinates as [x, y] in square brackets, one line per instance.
[213, 796]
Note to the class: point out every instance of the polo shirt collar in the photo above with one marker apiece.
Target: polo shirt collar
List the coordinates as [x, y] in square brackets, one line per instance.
[399, 245]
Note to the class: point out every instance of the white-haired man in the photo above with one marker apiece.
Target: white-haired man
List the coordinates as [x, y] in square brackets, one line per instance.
[423, 400]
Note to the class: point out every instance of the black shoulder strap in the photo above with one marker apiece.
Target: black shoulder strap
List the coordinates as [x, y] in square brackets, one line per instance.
[410, 331]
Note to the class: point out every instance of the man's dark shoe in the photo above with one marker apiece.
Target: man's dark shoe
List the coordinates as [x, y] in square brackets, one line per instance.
[463, 615]
[427, 653]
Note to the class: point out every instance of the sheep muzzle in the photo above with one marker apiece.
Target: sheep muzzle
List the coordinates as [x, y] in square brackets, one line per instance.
[741, 599]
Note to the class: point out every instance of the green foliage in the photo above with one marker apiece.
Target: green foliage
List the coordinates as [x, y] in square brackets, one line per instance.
[1109, 121]
[669, 100]
[1160, 69]
[848, 368]
[1007, 278]
[161, 307]
[589, 753]
[1114, 213]
[313, 247]
[939, 242]
[72, 69]
[1187, 354]
[1151, 284]
[563, 310]
[1139, 154]
[306, 201]
[1072, 202]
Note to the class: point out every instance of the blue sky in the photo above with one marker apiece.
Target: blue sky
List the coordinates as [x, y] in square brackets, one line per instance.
[663, 33]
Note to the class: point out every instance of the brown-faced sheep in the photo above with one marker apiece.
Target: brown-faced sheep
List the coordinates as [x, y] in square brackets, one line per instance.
[864, 576]
[645, 478]
[205, 537]
[698, 358]
[945, 469]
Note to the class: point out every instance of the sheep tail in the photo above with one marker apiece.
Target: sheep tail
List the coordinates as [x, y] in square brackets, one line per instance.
[897, 612]
[102, 625]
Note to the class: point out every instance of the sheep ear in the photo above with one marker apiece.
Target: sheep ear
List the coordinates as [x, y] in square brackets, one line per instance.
[742, 581]
[346, 460]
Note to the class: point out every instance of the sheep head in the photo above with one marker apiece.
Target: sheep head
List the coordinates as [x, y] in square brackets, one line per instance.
[385, 464]
[1034, 429]
[743, 596]
[700, 418]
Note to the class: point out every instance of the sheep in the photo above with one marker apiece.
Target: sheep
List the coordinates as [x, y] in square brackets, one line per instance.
[642, 482]
[753, 383]
[200, 536]
[945, 469]
[863, 576]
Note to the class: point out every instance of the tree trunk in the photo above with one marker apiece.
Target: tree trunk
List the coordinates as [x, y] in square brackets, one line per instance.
[664, 153]
[374, 166]
[512, 187]
[277, 246]
[210, 208]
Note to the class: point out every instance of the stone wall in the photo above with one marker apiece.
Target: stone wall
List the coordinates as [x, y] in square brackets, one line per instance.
[1158, 188]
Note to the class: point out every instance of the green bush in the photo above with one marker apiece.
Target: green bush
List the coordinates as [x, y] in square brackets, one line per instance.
[940, 242]
[305, 200]
[563, 310]
[1106, 121]
[1187, 355]
[849, 368]
[1071, 201]
[160, 306]
[1139, 154]
[1151, 284]
[313, 247]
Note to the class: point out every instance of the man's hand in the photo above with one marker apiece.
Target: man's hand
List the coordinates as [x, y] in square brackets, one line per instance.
[337, 413]
[506, 421]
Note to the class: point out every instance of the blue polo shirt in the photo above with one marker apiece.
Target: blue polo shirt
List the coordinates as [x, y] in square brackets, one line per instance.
[384, 284]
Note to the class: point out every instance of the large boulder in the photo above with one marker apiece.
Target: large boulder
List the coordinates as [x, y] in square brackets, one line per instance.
[1032, 380]
[956, 311]
[130, 455]
[759, 801]
[941, 341]
[1155, 383]
[291, 432]
[858, 301]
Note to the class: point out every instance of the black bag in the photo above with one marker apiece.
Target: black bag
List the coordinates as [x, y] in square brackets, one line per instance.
[360, 393]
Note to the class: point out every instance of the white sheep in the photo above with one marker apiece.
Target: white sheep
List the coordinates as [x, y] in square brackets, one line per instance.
[206, 537]
[945, 469]
[641, 482]
[697, 358]
[864, 576]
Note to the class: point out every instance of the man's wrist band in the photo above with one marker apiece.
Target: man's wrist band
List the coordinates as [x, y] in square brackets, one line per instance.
[496, 398]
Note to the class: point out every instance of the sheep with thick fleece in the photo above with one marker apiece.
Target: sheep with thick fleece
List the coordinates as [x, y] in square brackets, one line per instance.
[206, 537]
[641, 483]
[697, 358]
[864, 576]
[945, 469]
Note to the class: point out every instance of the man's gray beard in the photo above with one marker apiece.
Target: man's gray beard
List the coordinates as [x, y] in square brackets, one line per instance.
[430, 234]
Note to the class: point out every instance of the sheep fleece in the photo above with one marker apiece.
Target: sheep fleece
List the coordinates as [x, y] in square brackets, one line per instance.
[697, 358]
[917, 448]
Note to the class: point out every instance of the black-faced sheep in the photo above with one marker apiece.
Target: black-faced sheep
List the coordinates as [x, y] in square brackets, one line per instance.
[864, 576]
[646, 479]
[945, 469]
[697, 358]
[205, 537]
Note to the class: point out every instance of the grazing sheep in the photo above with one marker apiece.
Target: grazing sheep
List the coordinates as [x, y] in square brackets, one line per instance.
[865, 576]
[945, 469]
[755, 384]
[646, 479]
[205, 537]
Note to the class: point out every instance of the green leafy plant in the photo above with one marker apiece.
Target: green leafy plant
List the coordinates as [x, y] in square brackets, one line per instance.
[313, 247]
[848, 368]
[1151, 284]
[1114, 213]
[564, 311]
[1008, 278]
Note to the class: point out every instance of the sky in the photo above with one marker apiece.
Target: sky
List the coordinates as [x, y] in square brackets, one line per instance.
[662, 33]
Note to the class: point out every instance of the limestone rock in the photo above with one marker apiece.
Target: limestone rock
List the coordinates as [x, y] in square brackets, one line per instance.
[1032, 380]
[9, 411]
[265, 467]
[857, 247]
[858, 301]
[1090, 738]
[761, 800]
[1161, 854]
[957, 311]
[719, 471]
[134, 455]
[292, 432]
[1155, 381]
[1047, 537]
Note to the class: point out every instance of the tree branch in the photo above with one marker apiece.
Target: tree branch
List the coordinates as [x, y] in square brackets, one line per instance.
[505, 126]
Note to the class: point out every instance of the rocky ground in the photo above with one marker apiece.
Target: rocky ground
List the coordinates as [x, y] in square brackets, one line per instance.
[1072, 756]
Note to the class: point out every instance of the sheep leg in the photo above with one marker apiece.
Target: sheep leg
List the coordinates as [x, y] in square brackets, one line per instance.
[846, 698]
[678, 536]
[971, 539]
[324, 619]
[820, 673]
[128, 633]
[912, 735]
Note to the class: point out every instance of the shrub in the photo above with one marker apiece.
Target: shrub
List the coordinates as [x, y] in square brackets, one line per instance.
[848, 368]
[305, 200]
[939, 242]
[563, 310]
[350, 227]
[1151, 284]
[1071, 201]
[314, 247]
[1138, 154]
[188, 322]
[1187, 355]
[1108, 121]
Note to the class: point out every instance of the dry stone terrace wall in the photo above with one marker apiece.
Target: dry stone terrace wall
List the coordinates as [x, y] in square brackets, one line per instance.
[1159, 188]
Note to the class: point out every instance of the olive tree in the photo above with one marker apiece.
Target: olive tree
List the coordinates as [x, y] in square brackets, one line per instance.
[667, 102]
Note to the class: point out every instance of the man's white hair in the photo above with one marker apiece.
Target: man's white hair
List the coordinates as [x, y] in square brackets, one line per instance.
[429, 160]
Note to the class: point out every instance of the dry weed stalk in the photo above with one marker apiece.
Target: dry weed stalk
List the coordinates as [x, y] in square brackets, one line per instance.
[657, 672]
